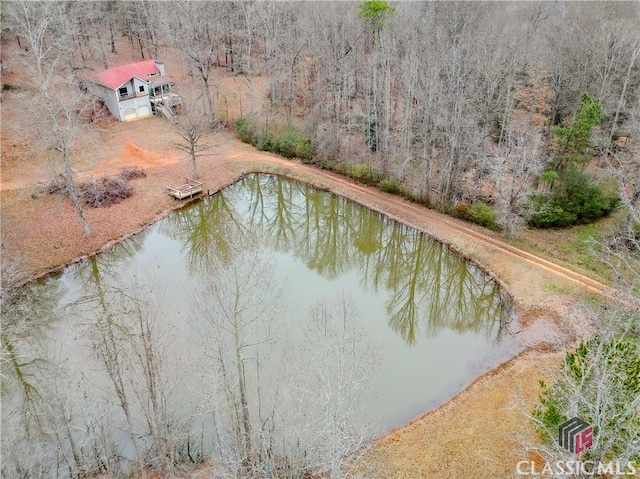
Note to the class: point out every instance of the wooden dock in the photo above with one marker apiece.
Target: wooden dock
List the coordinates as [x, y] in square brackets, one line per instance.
[188, 190]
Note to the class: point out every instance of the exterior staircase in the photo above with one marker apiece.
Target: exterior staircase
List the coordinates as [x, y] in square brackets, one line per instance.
[167, 112]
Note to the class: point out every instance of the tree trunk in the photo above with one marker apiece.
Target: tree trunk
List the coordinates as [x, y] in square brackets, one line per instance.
[634, 56]
[113, 43]
[103, 56]
[192, 152]
[73, 193]
[244, 402]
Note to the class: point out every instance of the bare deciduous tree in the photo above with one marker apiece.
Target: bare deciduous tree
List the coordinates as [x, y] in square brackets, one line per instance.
[516, 163]
[327, 390]
[60, 106]
[192, 124]
[197, 30]
[239, 303]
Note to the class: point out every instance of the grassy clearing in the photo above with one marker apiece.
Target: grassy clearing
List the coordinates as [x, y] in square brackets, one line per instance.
[576, 247]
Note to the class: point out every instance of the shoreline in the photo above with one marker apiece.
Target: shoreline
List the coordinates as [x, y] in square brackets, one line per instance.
[470, 242]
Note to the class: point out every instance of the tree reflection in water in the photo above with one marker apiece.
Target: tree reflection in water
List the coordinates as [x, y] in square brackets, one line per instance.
[431, 288]
[164, 349]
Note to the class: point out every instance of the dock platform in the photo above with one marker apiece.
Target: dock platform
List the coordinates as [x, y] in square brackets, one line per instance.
[188, 190]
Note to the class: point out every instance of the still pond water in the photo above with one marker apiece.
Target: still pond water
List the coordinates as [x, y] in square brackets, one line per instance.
[325, 308]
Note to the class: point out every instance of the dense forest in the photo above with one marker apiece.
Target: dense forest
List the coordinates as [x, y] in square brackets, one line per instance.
[506, 114]
[458, 105]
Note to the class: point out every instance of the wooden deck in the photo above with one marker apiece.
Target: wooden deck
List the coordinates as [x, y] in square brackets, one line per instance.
[189, 189]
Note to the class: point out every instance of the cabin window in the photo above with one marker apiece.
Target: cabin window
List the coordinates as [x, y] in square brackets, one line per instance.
[141, 89]
[123, 91]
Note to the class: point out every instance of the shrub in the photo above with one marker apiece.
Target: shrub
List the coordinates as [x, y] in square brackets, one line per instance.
[245, 131]
[575, 200]
[326, 164]
[364, 173]
[462, 209]
[340, 168]
[291, 144]
[264, 142]
[287, 141]
[103, 192]
[549, 178]
[390, 186]
[423, 198]
[133, 173]
[547, 214]
[482, 214]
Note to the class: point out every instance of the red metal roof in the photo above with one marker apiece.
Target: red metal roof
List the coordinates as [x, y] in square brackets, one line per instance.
[115, 77]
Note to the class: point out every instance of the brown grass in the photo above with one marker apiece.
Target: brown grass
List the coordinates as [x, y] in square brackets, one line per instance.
[446, 443]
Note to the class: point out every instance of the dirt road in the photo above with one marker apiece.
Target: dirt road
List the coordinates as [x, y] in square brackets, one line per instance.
[41, 233]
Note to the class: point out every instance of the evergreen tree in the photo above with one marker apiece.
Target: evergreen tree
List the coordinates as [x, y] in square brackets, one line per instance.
[575, 140]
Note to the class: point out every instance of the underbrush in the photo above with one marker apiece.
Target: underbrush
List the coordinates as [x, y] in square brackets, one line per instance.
[368, 175]
[364, 173]
[10, 87]
[285, 140]
[105, 191]
[479, 213]
[133, 173]
[100, 192]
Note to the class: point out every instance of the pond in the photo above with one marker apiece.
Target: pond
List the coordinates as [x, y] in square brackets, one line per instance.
[270, 322]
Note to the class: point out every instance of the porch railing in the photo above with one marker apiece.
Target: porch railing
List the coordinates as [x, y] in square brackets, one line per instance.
[129, 96]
